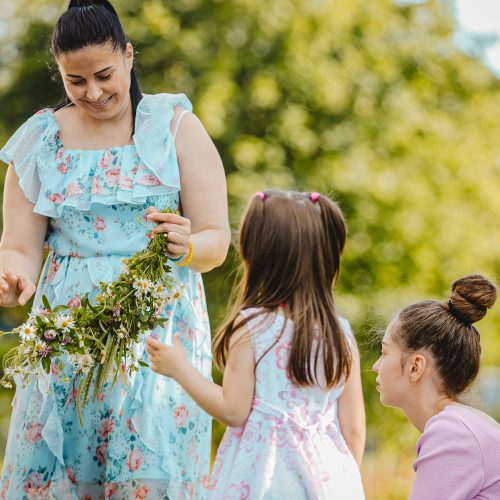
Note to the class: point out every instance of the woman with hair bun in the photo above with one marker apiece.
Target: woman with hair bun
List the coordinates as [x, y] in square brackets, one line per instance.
[430, 356]
[79, 177]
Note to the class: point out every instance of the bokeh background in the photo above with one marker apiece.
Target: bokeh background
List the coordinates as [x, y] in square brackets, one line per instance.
[384, 105]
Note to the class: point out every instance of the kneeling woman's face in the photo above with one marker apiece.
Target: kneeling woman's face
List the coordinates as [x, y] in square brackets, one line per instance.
[393, 381]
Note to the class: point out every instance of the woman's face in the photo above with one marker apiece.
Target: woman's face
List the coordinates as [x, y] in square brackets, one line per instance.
[393, 381]
[97, 79]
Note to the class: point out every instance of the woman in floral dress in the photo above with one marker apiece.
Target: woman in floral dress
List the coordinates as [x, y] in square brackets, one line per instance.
[79, 177]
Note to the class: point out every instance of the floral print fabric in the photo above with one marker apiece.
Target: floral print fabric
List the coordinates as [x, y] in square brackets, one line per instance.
[145, 439]
[291, 445]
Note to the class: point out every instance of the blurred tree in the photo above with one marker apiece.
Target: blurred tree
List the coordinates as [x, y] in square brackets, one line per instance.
[368, 101]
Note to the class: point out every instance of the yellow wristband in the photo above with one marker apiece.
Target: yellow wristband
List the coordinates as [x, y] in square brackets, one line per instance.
[188, 258]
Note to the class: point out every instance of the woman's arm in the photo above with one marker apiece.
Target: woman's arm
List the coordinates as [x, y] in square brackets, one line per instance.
[351, 410]
[229, 404]
[21, 246]
[203, 199]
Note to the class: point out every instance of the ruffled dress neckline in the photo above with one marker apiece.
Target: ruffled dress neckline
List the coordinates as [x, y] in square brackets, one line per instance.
[52, 114]
[54, 177]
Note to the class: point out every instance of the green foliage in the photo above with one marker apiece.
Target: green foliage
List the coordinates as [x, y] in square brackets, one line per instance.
[368, 101]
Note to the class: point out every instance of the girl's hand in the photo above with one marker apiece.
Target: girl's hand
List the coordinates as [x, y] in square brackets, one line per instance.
[165, 359]
[177, 230]
[15, 290]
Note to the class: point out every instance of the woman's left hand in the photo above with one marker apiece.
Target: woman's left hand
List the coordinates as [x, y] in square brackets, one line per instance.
[177, 230]
[165, 359]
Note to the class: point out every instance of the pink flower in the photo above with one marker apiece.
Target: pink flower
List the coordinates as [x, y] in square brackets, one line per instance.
[99, 224]
[32, 482]
[205, 482]
[73, 189]
[75, 301]
[49, 334]
[149, 180]
[110, 489]
[252, 435]
[113, 177]
[107, 426]
[101, 453]
[60, 154]
[181, 416]
[130, 425]
[282, 355]
[241, 491]
[34, 433]
[135, 169]
[63, 168]
[54, 369]
[104, 162]
[5, 488]
[134, 459]
[53, 268]
[96, 187]
[56, 198]
[71, 475]
[141, 493]
[126, 182]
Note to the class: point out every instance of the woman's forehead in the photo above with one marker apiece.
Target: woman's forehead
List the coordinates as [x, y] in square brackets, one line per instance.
[89, 58]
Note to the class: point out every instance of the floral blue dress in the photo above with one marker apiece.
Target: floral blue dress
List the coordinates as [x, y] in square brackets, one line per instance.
[147, 439]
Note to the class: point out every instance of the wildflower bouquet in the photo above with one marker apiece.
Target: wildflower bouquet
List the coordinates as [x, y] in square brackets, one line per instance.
[97, 337]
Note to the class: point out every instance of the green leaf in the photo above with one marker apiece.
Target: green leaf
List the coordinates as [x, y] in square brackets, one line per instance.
[46, 302]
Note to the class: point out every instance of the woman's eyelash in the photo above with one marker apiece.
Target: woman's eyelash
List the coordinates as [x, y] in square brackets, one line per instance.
[101, 77]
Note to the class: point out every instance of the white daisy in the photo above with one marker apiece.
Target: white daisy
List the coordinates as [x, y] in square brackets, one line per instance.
[83, 362]
[142, 286]
[64, 322]
[27, 332]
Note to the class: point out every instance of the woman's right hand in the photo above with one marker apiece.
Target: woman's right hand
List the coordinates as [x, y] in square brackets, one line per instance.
[15, 290]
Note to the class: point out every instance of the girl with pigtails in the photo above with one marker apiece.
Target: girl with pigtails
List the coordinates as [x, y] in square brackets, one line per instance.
[79, 176]
[291, 394]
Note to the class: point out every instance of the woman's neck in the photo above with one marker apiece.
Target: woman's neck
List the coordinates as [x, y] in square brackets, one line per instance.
[424, 405]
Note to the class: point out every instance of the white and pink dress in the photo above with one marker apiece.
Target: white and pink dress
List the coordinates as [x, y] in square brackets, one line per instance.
[291, 445]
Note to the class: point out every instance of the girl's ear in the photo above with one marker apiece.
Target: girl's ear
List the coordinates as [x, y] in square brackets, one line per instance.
[129, 56]
[417, 364]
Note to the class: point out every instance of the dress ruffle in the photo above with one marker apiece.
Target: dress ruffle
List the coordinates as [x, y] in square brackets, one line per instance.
[22, 149]
[53, 177]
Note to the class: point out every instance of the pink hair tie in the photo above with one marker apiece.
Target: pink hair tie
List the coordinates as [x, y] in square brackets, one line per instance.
[314, 197]
[260, 194]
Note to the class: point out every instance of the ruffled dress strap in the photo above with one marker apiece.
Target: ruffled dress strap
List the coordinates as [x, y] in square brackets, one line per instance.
[23, 150]
[53, 177]
[153, 139]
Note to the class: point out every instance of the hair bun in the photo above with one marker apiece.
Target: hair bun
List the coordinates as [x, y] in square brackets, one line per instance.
[471, 296]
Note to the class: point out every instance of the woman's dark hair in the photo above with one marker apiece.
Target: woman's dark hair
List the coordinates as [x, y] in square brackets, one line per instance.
[92, 22]
[291, 244]
[445, 329]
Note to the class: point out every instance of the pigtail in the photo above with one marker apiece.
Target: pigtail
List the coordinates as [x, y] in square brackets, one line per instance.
[291, 245]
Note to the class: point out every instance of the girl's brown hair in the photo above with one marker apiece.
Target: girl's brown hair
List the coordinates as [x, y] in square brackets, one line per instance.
[445, 330]
[291, 244]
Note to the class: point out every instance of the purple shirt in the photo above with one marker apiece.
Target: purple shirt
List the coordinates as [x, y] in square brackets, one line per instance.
[458, 457]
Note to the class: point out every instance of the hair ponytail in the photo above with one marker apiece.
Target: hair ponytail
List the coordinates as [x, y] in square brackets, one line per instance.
[89, 3]
[92, 22]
